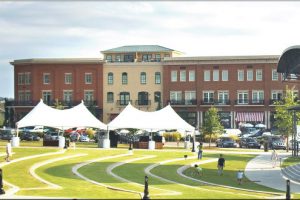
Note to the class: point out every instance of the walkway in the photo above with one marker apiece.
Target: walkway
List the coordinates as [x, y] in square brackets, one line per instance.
[261, 171]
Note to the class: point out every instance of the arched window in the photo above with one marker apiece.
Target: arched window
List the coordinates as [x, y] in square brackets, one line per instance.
[124, 98]
[124, 78]
[157, 78]
[110, 97]
[143, 98]
[143, 77]
[110, 78]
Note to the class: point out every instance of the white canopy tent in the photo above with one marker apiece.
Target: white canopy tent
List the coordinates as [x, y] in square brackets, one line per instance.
[165, 118]
[43, 115]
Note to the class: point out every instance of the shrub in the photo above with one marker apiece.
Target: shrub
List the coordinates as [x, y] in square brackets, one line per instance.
[213, 138]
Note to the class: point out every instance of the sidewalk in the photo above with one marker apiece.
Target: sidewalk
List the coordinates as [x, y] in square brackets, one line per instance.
[260, 170]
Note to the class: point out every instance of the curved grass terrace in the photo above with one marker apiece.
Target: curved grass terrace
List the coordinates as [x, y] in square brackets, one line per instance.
[114, 174]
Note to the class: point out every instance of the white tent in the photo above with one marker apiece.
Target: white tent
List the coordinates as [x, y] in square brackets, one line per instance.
[165, 118]
[43, 115]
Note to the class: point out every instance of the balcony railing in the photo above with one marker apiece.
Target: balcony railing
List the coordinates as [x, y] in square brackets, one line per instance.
[249, 102]
[143, 102]
[52, 103]
[215, 102]
[123, 102]
[183, 102]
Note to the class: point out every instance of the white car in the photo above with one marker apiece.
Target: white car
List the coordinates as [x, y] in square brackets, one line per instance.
[37, 129]
[84, 138]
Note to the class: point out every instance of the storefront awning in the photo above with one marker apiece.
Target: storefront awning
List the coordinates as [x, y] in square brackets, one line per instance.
[249, 117]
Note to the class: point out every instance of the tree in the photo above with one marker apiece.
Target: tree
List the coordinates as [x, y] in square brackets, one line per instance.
[212, 123]
[58, 105]
[283, 118]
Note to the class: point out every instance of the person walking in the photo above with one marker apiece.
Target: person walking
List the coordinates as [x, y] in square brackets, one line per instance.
[200, 151]
[221, 164]
[8, 151]
[274, 158]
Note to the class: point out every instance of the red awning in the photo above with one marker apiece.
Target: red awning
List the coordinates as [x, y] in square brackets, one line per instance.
[249, 117]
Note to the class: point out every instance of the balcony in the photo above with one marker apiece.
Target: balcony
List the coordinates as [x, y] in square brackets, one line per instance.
[249, 102]
[191, 102]
[215, 102]
[123, 102]
[142, 102]
[52, 103]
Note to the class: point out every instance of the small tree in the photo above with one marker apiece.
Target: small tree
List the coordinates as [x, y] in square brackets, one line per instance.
[284, 119]
[58, 105]
[212, 123]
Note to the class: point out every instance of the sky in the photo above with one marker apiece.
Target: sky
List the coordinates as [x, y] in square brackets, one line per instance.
[78, 29]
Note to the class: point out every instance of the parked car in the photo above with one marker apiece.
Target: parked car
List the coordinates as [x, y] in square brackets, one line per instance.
[30, 137]
[51, 136]
[225, 142]
[84, 138]
[249, 143]
[7, 133]
[38, 129]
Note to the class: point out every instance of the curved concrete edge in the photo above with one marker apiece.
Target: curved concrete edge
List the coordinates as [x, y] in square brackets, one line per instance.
[183, 168]
[37, 165]
[76, 167]
[13, 188]
[111, 167]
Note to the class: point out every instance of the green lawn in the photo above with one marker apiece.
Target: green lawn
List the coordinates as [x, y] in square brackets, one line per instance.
[132, 170]
[290, 161]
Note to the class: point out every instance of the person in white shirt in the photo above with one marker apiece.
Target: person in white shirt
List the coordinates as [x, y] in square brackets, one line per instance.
[8, 151]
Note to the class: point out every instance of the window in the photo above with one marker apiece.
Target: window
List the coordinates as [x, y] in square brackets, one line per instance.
[124, 78]
[182, 76]
[27, 78]
[190, 97]
[157, 58]
[223, 97]
[20, 78]
[257, 96]
[88, 96]
[128, 58]
[157, 78]
[110, 97]
[250, 75]
[216, 75]
[192, 76]
[157, 97]
[167, 55]
[175, 97]
[208, 96]
[224, 75]
[143, 98]
[88, 78]
[108, 58]
[206, 75]
[118, 58]
[68, 78]
[146, 57]
[240, 75]
[20, 95]
[276, 94]
[47, 96]
[143, 78]
[243, 97]
[274, 75]
[68, 95]
[27, 95]
[259, 75]
[124, 98]
[110, 78]
[173, 76]
[46, 78]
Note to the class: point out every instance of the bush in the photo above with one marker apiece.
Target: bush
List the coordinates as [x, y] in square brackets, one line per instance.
[214, 137]
[172, 136]
[90, 132]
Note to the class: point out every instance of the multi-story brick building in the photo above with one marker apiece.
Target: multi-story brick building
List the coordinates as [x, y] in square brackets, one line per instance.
[66, 80]
[243, 88]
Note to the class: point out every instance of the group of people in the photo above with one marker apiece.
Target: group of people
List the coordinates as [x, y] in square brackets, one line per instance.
[220, 165]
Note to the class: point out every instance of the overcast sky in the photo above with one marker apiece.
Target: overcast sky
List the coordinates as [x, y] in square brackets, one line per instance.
[73, 29]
